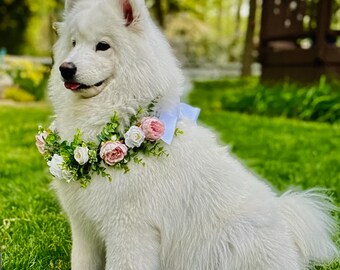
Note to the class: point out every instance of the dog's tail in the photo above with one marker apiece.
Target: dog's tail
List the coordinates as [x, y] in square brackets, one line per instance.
[308, 215]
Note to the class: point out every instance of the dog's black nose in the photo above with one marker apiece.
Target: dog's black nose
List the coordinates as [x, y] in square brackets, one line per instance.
[68, 70]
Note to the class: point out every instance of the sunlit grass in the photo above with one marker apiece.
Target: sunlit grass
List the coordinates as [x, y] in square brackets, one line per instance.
[34, 234]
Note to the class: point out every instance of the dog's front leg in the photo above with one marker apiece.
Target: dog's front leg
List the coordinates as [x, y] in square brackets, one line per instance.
[88, 251]
[133, 248]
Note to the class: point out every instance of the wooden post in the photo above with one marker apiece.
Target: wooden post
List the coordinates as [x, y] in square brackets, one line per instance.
[247, 59]
[159, 12]
[323, 26]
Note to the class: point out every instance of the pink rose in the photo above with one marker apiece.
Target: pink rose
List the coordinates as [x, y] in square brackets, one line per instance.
[40, 141]
[113, 152]
[153, 128]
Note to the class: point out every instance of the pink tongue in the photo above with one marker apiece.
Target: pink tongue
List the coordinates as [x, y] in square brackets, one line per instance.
[72, 86]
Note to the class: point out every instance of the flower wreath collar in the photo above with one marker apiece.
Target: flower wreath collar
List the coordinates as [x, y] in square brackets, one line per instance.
[78, 160]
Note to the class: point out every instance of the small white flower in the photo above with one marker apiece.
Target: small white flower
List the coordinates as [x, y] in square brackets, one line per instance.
[114, 138]
[134, 137]
[81, 155]
[56, 169]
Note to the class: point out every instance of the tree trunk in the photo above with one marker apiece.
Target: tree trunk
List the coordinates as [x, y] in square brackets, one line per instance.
[219, 16]
[172, 6]
[247, 59]
[159, 12]
[238, 20]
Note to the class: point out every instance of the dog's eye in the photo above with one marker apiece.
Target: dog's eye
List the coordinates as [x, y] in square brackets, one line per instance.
[74, 43]
[102, 46]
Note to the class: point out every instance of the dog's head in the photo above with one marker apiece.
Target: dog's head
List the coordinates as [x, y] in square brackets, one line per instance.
[112, 44]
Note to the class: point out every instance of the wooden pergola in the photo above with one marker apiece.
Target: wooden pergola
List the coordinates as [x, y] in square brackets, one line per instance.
[297, 40]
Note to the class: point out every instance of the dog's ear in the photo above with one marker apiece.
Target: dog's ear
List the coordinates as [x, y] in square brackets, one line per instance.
[131, 10]
[69, 4]
[56, 27]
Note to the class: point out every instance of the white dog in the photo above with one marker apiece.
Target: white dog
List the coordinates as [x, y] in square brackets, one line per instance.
[195, 208]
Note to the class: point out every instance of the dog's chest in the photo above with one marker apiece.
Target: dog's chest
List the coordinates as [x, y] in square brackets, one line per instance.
[104, 202]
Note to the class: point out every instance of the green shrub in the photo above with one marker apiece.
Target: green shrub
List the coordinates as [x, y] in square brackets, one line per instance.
[17, 94]
[319, 102]
[29, 76]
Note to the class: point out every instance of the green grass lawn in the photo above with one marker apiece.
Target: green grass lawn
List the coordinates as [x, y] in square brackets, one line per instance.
[34, 234]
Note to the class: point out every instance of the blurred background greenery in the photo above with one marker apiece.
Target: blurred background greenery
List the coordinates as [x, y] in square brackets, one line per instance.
[204, 35]
[211, 38]
[216, 26]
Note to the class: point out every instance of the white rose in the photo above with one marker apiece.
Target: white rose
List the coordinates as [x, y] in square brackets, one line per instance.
[56, 169]
[81, 155]
[134, 137]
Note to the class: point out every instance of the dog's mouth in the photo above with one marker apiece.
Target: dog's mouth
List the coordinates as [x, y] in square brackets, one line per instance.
[76, 86]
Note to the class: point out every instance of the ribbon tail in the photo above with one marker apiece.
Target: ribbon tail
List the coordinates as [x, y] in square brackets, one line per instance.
[170, 119]
[189, 112]
[170, 122]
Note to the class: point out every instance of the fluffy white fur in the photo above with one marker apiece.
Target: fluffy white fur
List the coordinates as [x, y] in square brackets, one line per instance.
[198, 208]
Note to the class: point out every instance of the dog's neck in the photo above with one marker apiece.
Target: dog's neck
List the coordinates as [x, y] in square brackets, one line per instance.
[90, 115]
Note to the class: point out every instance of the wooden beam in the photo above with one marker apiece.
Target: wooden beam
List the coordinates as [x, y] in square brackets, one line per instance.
[323, 27]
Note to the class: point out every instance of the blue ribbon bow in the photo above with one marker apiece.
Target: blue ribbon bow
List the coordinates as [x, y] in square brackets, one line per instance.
[171, 117]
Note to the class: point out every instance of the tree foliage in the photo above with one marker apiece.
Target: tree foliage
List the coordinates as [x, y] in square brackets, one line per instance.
[26, 25]
[205, 30]
[14, 18]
